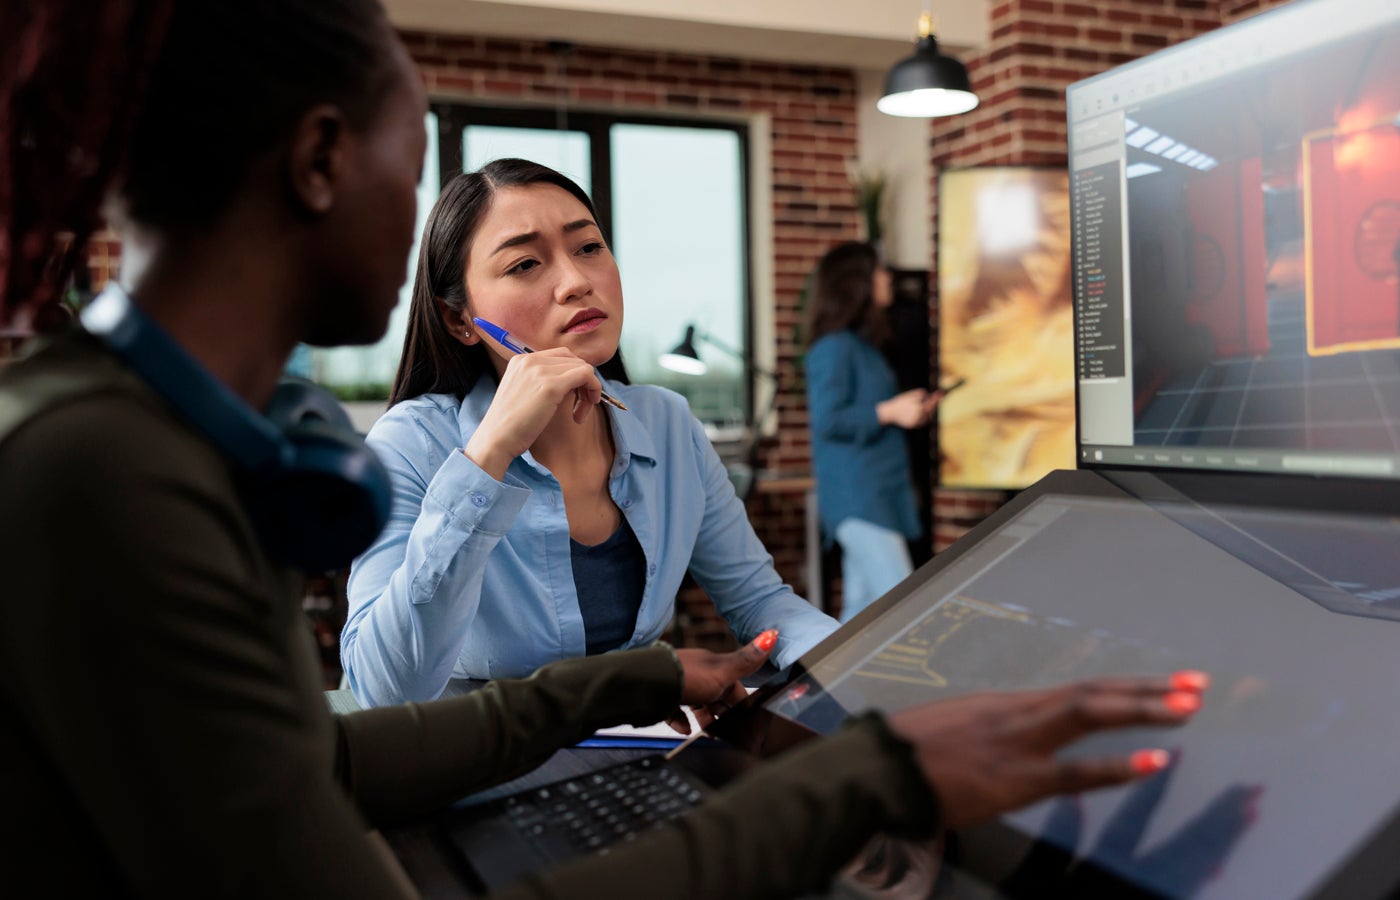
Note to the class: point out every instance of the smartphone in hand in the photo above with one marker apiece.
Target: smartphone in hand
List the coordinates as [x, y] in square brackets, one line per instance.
[950, 388]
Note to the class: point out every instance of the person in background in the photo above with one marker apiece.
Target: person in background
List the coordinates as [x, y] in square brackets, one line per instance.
[532, 523]
[865, 495]
[162, 730]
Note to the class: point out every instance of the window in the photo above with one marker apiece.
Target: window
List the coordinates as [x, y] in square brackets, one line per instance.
[672, 196]
[366, 373]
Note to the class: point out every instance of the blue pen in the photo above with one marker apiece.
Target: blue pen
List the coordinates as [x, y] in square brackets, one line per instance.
[502, 337]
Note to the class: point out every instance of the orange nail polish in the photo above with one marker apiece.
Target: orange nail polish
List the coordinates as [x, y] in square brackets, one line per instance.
[1190, 680]
[1183, 702]
[766, 640]
[1145, 762]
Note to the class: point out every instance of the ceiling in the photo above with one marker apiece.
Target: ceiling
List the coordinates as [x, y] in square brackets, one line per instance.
[870, 34]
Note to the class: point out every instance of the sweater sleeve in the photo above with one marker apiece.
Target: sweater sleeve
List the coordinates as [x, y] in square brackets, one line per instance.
[414, 594]
[831, 394]
[401, 761]
[159, 677]
[782, 831]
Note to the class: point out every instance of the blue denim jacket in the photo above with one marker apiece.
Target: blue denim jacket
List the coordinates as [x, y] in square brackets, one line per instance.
[472, 576]
[862, 467]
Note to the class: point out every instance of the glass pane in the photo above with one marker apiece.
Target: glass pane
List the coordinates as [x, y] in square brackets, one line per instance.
[365, 373]
[678, 227]
[562, 151]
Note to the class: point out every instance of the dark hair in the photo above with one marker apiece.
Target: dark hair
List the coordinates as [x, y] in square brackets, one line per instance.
[434, 361]
[233, 78]
[841, 294]
[171, 102]
[72, 80]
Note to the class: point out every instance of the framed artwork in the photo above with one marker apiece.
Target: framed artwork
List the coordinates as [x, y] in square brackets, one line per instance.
[1006, 326]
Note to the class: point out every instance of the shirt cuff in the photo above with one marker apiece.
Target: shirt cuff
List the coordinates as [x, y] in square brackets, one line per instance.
[473, 498]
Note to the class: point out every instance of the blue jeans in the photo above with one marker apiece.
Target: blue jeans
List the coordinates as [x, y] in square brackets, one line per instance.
[873, 560]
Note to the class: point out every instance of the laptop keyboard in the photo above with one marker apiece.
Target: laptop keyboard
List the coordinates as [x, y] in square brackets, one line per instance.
[614, 804]
[512, 836]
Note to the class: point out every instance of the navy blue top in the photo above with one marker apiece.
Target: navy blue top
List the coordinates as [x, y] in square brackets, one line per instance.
[609, 578]
[861, 466]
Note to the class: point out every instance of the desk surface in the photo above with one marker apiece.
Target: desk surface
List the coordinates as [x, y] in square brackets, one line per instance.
[784, 484]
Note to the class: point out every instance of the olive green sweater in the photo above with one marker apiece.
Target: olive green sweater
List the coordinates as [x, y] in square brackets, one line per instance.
[163, 732]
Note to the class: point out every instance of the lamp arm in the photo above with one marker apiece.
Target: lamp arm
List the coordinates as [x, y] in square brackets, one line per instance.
[754, 436]
[737, 354]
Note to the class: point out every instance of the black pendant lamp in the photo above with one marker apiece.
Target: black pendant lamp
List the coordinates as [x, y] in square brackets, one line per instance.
[928, 83]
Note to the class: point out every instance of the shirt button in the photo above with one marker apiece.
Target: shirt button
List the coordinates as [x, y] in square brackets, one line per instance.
[627, 504]
[651, 569]
[478, 499]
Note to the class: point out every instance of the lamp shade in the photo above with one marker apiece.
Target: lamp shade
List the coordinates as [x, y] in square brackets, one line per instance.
[927, 84]
[683, 357]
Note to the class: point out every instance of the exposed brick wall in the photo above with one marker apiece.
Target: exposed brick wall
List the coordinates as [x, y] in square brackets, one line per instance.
[1234, 10]
[1037, 48]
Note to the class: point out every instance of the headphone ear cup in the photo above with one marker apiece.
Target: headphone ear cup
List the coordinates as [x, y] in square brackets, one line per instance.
[331, 500]
[297, 401]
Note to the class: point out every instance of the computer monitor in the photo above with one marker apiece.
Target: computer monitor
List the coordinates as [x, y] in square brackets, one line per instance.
[1283, 786]
[1236, 222]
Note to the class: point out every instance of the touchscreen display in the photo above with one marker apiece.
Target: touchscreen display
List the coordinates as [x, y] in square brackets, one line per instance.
[1290, 765]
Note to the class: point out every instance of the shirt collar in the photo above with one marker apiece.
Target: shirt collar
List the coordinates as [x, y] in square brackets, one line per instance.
[632, 437]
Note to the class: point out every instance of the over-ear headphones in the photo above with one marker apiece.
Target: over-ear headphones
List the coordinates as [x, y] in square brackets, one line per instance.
[317, 495]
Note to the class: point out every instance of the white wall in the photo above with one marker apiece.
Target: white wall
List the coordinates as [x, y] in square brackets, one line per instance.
[900, 149]
[865, 34]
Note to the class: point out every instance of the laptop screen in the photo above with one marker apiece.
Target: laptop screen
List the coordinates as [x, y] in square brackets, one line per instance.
[1236, 248]
[1294, 616]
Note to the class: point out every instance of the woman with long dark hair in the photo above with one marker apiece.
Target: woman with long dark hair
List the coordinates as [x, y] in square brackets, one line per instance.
[162, 727]
[532, 523]
[865, 494]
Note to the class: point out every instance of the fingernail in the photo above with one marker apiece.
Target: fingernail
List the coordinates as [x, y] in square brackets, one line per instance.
[1183, 702]
[1145, 762]
[766, 640]
[1190, 680]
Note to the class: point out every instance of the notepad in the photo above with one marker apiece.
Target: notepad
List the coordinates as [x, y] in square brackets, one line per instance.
[660, 735]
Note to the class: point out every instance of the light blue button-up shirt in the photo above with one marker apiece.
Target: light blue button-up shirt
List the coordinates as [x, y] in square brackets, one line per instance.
[472, 577]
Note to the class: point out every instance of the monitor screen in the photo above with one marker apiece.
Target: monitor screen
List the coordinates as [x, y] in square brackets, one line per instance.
[1288, 773]
[1236, 237]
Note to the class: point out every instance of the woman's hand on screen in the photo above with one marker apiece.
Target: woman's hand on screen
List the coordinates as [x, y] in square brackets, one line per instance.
[989, 753]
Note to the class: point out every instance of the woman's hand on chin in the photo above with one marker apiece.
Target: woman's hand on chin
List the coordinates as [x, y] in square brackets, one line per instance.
[530, 393]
